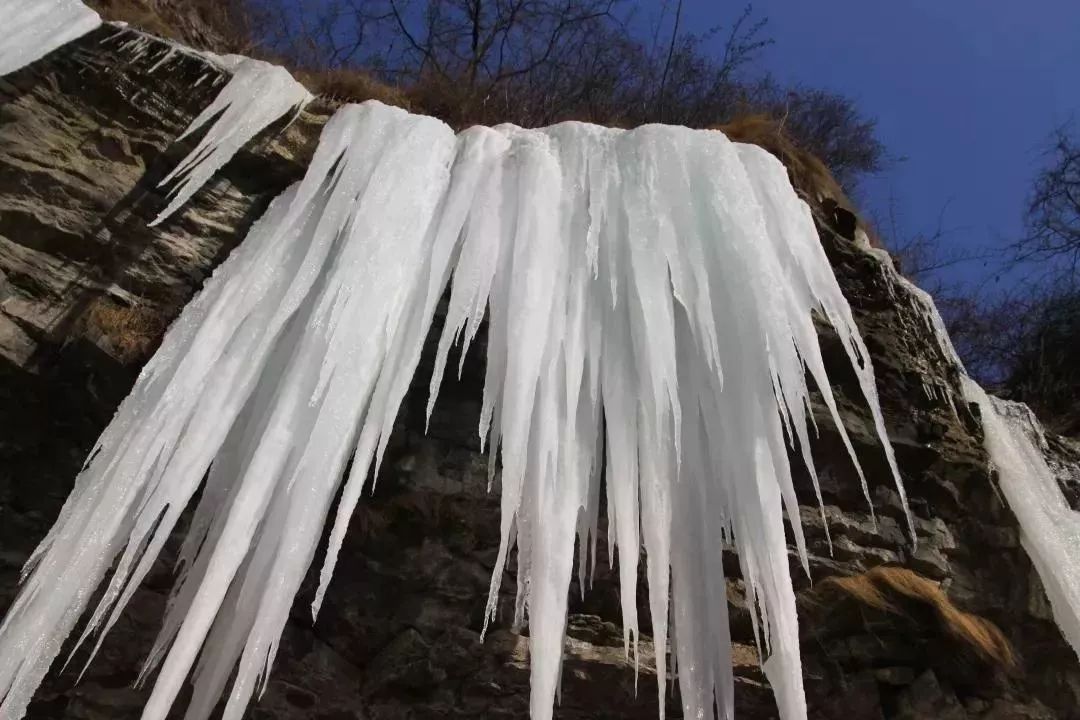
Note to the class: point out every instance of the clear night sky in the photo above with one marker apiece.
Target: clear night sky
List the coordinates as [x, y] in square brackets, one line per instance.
[966, 90]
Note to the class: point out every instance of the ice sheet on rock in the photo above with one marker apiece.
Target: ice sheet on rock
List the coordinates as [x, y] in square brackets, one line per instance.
[258, 95]
[31, 29]
[649, 298]
[1050, 528]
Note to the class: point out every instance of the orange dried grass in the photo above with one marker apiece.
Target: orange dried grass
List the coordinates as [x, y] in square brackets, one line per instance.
[131, 331]
[880, 587]
[808, 173]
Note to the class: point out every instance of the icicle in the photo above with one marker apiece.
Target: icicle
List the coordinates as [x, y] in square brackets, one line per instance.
[671, 259]
[31, 29]
[258, 95]
[1050, 528]
[139, 45]
[649, 296]
[267, 370]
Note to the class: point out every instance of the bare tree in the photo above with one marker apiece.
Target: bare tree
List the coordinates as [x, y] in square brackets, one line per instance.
[314, 34]
[670, 56]
[1052, 221]
[536, 62]
[691, 85]
[1022, 337]
[831, 127]
[923, 255]
[483, 43]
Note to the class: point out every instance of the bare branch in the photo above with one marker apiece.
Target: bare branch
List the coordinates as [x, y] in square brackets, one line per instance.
[667, 63]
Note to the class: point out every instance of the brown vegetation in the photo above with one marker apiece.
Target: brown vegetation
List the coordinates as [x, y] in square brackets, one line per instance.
[224, 26]
[894, 590]
[354, 86]
[533, 63]
[131, 332]
[137, 13]
[808, 173]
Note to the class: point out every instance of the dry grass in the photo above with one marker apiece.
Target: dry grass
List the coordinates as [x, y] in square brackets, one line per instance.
[131, 332]
[889, 589]
[210, 24]
[216, 25]
[807, 172]
[136, 13]
[355, 86]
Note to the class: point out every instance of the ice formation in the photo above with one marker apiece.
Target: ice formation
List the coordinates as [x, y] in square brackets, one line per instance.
[258, 95]
[31, 29]
[1014, 440]
[139, 45]
[1050, 529]
[649, 296]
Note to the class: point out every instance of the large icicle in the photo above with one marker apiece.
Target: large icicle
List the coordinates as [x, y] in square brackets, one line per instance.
[649, 296]
[258, 95]
[31, 29]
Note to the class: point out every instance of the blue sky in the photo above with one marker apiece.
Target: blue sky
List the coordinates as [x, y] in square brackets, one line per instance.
[967, 91]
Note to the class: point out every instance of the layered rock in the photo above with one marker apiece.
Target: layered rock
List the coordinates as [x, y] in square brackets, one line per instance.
[86, 290]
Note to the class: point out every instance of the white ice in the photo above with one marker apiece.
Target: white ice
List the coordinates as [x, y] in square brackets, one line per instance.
[258, 95]
[649, 297]
[31, 29]
[1050, 528]
[1014, 440]
[160, 52]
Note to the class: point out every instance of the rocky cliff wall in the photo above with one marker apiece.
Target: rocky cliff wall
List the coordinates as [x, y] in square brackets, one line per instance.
[86, 289]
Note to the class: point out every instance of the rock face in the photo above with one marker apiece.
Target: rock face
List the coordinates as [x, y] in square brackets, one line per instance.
[86, 290]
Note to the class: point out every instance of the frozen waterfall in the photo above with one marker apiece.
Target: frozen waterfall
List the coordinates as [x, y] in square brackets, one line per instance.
[257, 94]
[649, 297]
[1050, 529]
[1014, 440]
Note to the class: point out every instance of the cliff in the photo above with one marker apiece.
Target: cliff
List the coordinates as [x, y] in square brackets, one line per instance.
[87, 289]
